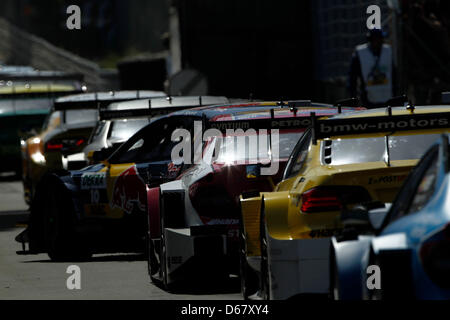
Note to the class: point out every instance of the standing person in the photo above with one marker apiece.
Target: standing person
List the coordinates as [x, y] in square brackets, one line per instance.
[372, 65]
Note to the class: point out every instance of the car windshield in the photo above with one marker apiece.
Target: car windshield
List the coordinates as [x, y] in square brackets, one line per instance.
[351, 151]
[81, 116]
[233, 150]
[123, 129]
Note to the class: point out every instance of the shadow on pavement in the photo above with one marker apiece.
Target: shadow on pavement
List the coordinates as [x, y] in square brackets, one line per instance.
[6, 177]
[207, 286]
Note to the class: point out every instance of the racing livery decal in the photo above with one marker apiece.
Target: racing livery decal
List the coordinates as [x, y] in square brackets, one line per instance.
[129, 191]
[93, 180]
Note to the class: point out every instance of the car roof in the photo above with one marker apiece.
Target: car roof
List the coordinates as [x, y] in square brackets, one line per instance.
[167, 102]
[93, 99]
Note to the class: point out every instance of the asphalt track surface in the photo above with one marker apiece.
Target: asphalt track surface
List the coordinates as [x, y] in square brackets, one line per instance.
[122, 276]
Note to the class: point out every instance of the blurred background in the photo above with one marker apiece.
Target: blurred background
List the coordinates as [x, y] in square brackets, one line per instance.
[263, 49]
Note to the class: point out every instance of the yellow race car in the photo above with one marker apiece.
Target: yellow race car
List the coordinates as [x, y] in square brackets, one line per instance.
[353, 158]
[65, 134]
[23, 108]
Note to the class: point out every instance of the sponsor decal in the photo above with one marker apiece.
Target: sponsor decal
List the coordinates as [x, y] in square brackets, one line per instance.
[93, 180]
[129, 191]
[387, 179]
[381, 124]
[322, 233]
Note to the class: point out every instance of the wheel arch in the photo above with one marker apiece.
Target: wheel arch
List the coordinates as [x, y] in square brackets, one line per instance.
[349, 260]
[36, 220]
[276, 212]
[250, 215]
[153, 208]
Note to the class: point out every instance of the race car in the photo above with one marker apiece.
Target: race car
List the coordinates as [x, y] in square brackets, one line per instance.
[103, 207]
[110, 133]
[401, 250]
[65, 133]
[194, 220]
[24, 104]
[349, 159]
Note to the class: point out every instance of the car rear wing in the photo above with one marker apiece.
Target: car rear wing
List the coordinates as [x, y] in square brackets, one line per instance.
[161, 106]
[30, 75]
[258, 124]
[98, 100]
[294, 122]
[388, 124]
[50, 93]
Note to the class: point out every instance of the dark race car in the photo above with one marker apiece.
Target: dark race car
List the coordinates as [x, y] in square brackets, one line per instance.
[103, 207]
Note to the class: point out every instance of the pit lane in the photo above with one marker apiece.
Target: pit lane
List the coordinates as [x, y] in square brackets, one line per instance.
[104, 277]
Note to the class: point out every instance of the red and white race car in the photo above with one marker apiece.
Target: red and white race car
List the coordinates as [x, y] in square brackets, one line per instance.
[194, 220]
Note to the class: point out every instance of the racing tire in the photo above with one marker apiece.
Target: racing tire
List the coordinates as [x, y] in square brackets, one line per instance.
[265, 275]
[249, 280]
[61, 240]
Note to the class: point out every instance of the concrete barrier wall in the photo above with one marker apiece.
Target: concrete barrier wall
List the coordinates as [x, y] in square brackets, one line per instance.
[21, 48]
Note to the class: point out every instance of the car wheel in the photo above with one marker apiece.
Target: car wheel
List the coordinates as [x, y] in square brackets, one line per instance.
[249, 283]
[61, 240]
[265, 280]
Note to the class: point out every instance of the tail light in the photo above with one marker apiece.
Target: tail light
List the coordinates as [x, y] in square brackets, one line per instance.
[79, 142]
[435, 256]
[68, 144]
[332, 198]
[50, 146]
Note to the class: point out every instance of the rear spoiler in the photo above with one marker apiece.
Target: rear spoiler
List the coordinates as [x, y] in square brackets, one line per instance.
[96, 102]
[161, 106]
[295, 122]
[137, 113]
[257, 124]
[327, 128]
[41, 75]
[43, 94]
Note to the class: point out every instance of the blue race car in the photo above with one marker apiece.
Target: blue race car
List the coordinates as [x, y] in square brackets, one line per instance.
[399, 251]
